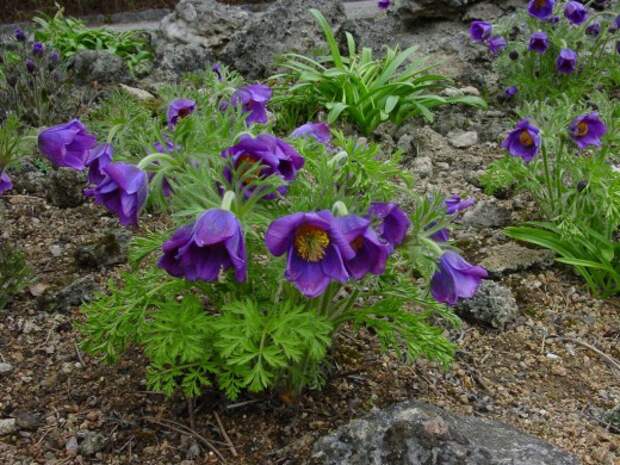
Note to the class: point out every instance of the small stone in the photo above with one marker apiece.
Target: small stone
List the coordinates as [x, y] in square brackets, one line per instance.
[407, 145]
[107, 250]
[138, 94]
[470, 90]
[71, 446]
[66, 188]
[510, 258]
[493, 304]
[5, 368]
[7, 426]
[56, 250]
[79, 291]
[423, 167]
[462, 140]
[559, 370]
[28, 421]
[92, 443]
[487, 214]
[452, 92]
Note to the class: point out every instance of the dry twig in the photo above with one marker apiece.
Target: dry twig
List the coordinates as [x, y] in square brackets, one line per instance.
[225, 434]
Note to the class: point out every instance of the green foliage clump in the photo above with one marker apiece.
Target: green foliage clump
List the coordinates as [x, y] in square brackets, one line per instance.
[14, 273]
[359, 88]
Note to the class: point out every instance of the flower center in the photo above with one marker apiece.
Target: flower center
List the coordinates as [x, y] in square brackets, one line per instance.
[245, 165]
[582, 129]
[183, 112]
[526, 139]
[357, 243]
[311, 242]
[540, 3]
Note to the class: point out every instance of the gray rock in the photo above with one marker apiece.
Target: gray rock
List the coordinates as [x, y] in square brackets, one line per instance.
[7, 426]
[138, 94]
[65, 188]
[493, 304]
[415, 433]
[412, 10]
[99, 65]
[463, 139]
[91, 443]
[107, 250]
[510, 258]
[487, 214]
[27, 421]
[423, 167]
[406, 143]
[79, 291]
[5, 368]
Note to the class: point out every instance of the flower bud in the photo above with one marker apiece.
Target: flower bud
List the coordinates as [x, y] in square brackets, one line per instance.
[514, 55]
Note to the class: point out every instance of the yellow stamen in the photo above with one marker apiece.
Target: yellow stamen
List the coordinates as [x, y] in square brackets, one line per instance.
[311, 242]
[526, 139]
[582, 129]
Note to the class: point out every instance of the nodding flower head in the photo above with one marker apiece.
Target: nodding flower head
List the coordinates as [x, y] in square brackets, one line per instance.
[179, 109]
[479, 31]
[5, 182]
[539, 42]
[566, 62]
[541, 9]
[496, 44]
[524, 141]
[575, 12]
[455, 279]
[384, 4]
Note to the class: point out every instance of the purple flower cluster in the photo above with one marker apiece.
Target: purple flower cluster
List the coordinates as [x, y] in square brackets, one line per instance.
[253, 100]
[481, 32]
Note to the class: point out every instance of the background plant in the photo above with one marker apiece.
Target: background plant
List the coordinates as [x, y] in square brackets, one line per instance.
[14, 273]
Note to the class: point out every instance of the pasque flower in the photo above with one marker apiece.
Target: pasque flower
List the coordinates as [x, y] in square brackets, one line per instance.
[20, 35]
[540, 9]
[594, 29]
[200, 251]
[496, 44]
[272, 155]
[524, 141]
[383, 4]
[393, 223]
[566, 62]
[253, 99]
[587, 130]
[575, 12]
[38, 49]
[67, 144]
[371, 253]
[217, 69]
[179, 109]
[30, 66]
[455, 204]
[510, 92]
[318, 131]
[96, 160]
[5, 182]
[539, 42]
[123, 191]
[455, 279]
[479, 31]
[316, 248]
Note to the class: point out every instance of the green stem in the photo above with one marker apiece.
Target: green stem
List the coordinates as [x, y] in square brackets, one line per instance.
[152, 158]
[227, 201]
[340, 209]
[344, 308]
[548, 181]
[113, 131]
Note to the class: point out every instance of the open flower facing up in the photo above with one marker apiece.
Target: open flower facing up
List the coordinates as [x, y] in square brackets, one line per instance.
[96, 160]
[179, 109]
[524, 141]
[393, 222]
[318, 131]
[539, 42]
[123, 191]
[371, 253]
[575, 12]
[5, 182]
[200, 251]
[261, 157]
[541, 9]
[253, 99]
[566, 62]
[66, 144]
[455, 279]
[496, 44]
[587, 130]
[383, 4]
[479, 31]
[316, 250]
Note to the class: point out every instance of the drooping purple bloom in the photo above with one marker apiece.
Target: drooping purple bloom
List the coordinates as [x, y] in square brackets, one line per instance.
[54, 57]
[587, 130]
[618, 46]
[442, 235]
[161, 148]
[575, 12]
[96, 160]
[5, 182]
[617, 22]
[455, 279]
[200, 251]
[258, 158]
[540, 9]
[253, 99]
[318, 131]
[30, 66]
[523, 141]
[179, 109]
[455, 204]
[217, 69]
[371, 253]
[316, 248]
[20, 35]
[38, 49]
[123, 191]
[496, 44]
[67, 144]
[566, 62]
[594, 29]
[383, 4]
[511, 91]
[479, 31]
[393, 222]
[539, 42]
[553, 20]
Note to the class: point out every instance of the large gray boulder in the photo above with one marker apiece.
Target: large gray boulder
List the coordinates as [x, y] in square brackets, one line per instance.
[412, 10]
[415, 433]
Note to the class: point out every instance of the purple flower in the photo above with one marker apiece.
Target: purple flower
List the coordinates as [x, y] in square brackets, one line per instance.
[5, 182]
[383, 4]
[200, 251]
[67, 144]
[455, 279]
[38, 49]
[479, 31]
[523, 141]
[455, 204]
[217, 69]
[393, 222]
[594, 29]
[319, 131]
[96, 160]
[587, 130]
[511, 91]
[443, 235]
[179, 109]
[168, 148]
[371, 253]
[540, 9]
[272, 155]
[575, 12]
[316, 250]
[253, 99]
[618, 46]
[30, 66]
[54, 57]
[496, 44]
[539, 42]
[553, 20]
[123, 191]
[566, 62]
[20, 35]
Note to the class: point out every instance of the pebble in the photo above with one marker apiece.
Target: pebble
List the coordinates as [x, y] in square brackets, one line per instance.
[7, 426]
[423, 167]
[462, 140]
[139, 94]
[56, 250]
[5, 368]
